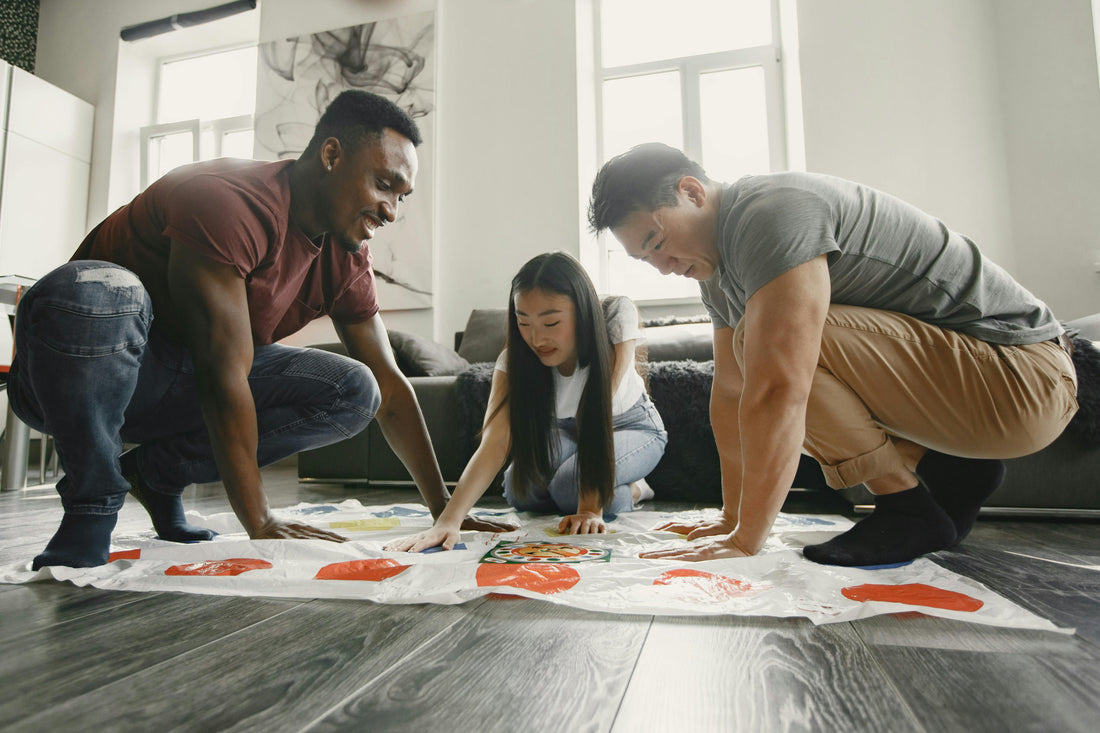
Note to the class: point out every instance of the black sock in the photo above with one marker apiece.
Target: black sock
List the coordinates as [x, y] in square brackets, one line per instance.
[82, 541]
[960, 485]
[166, 510]
[903, 526]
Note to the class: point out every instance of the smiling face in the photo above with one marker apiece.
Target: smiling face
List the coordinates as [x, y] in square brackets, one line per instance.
[548, 324]
[677, 240]
[363, 188]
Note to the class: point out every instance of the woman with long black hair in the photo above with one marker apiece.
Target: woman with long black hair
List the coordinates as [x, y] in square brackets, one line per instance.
[567, 403]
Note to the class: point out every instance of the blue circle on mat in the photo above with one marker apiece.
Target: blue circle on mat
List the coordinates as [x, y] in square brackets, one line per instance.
[885, 566]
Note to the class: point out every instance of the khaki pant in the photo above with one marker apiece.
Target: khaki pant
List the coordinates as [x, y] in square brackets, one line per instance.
[884, 376]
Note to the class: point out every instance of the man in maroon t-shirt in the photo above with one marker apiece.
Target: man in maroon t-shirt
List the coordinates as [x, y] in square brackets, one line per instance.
[161, 331]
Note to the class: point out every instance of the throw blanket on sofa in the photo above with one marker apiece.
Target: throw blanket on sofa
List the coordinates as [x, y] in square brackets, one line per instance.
[1085, 425]
[593, 572]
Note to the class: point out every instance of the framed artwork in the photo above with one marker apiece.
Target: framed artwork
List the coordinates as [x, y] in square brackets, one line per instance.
[395, 58]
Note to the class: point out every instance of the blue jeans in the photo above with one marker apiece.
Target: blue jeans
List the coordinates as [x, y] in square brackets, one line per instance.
[640, 440]
[93, 371]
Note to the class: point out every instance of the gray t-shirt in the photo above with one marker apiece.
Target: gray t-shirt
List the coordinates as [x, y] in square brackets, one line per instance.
[882, 253]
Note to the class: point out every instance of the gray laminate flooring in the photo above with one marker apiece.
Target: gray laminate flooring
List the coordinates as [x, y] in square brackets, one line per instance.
[82, 659]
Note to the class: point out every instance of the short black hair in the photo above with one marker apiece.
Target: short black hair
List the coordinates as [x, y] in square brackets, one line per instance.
[643, 178]
[355, 116]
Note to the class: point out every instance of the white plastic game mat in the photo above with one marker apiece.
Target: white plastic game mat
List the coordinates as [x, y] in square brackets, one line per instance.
[599, 572]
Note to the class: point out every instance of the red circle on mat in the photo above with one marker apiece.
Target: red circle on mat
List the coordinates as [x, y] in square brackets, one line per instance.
[373, 569]
[545, 578]
[914, 594]
[716, 587]
[232, 566]
[124, 555]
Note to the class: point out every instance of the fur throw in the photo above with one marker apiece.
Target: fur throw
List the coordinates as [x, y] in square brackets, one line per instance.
[472, 387]
[689, 470]
[1085, 425]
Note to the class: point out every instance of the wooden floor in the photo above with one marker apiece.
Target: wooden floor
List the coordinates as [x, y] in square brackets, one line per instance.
[82, 659]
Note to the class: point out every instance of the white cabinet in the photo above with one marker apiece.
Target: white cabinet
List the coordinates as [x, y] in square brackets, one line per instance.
[45, 159]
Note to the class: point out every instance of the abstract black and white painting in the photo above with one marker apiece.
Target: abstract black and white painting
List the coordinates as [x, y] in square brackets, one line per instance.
[395, 58]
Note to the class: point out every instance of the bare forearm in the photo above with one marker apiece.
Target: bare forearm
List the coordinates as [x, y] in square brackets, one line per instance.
[772, 432]
[403, 427]
[727, 438]
[479, 473]
[230, 416]
[588, 501]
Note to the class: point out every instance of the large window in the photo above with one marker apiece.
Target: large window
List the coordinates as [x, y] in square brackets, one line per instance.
[204, 107]
[700, 75]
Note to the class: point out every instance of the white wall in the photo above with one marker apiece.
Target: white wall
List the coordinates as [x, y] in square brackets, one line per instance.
[903, 96]
[1051, 99]
[508, 185]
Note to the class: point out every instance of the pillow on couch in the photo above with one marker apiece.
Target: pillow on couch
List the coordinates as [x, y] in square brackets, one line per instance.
[485, 334]
[421, 357]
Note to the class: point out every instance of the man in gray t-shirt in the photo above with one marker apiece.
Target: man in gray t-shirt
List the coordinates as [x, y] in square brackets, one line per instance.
[855, 327]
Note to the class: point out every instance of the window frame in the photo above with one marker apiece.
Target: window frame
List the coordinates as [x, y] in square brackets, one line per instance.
[151, 133]
[690, 69]
[218, 126]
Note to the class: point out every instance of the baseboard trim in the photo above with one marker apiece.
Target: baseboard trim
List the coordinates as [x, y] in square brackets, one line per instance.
[1016, 512]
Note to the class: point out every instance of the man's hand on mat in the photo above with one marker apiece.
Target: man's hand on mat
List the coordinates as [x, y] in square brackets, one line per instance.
[275, 529]
[695, 530]
[721, 549]
[434, 537]
[486, 525]
[582, 523]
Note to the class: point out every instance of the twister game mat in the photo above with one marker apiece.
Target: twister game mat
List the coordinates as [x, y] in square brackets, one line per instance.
[593, 572]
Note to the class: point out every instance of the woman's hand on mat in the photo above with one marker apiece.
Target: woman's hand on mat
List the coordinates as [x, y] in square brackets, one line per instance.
[582, 523]
[695, 530]
[275, 529]
[486, 525]
[434, 537]
[720, 549]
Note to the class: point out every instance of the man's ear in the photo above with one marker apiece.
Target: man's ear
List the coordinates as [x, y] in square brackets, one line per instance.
[694, 189]
[331, 152]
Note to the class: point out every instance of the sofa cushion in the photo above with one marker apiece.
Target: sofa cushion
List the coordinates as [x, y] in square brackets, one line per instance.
[421, 357]
[1086, 328]
[485, 334]
[680, 341]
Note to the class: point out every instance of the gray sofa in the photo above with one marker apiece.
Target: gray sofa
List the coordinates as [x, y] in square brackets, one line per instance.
[452, 388]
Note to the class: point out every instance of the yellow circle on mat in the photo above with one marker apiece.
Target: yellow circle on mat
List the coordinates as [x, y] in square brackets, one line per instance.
[371, 524]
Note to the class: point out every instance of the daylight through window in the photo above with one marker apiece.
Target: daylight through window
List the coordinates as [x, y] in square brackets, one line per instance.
[700, 75]
[204, 107]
